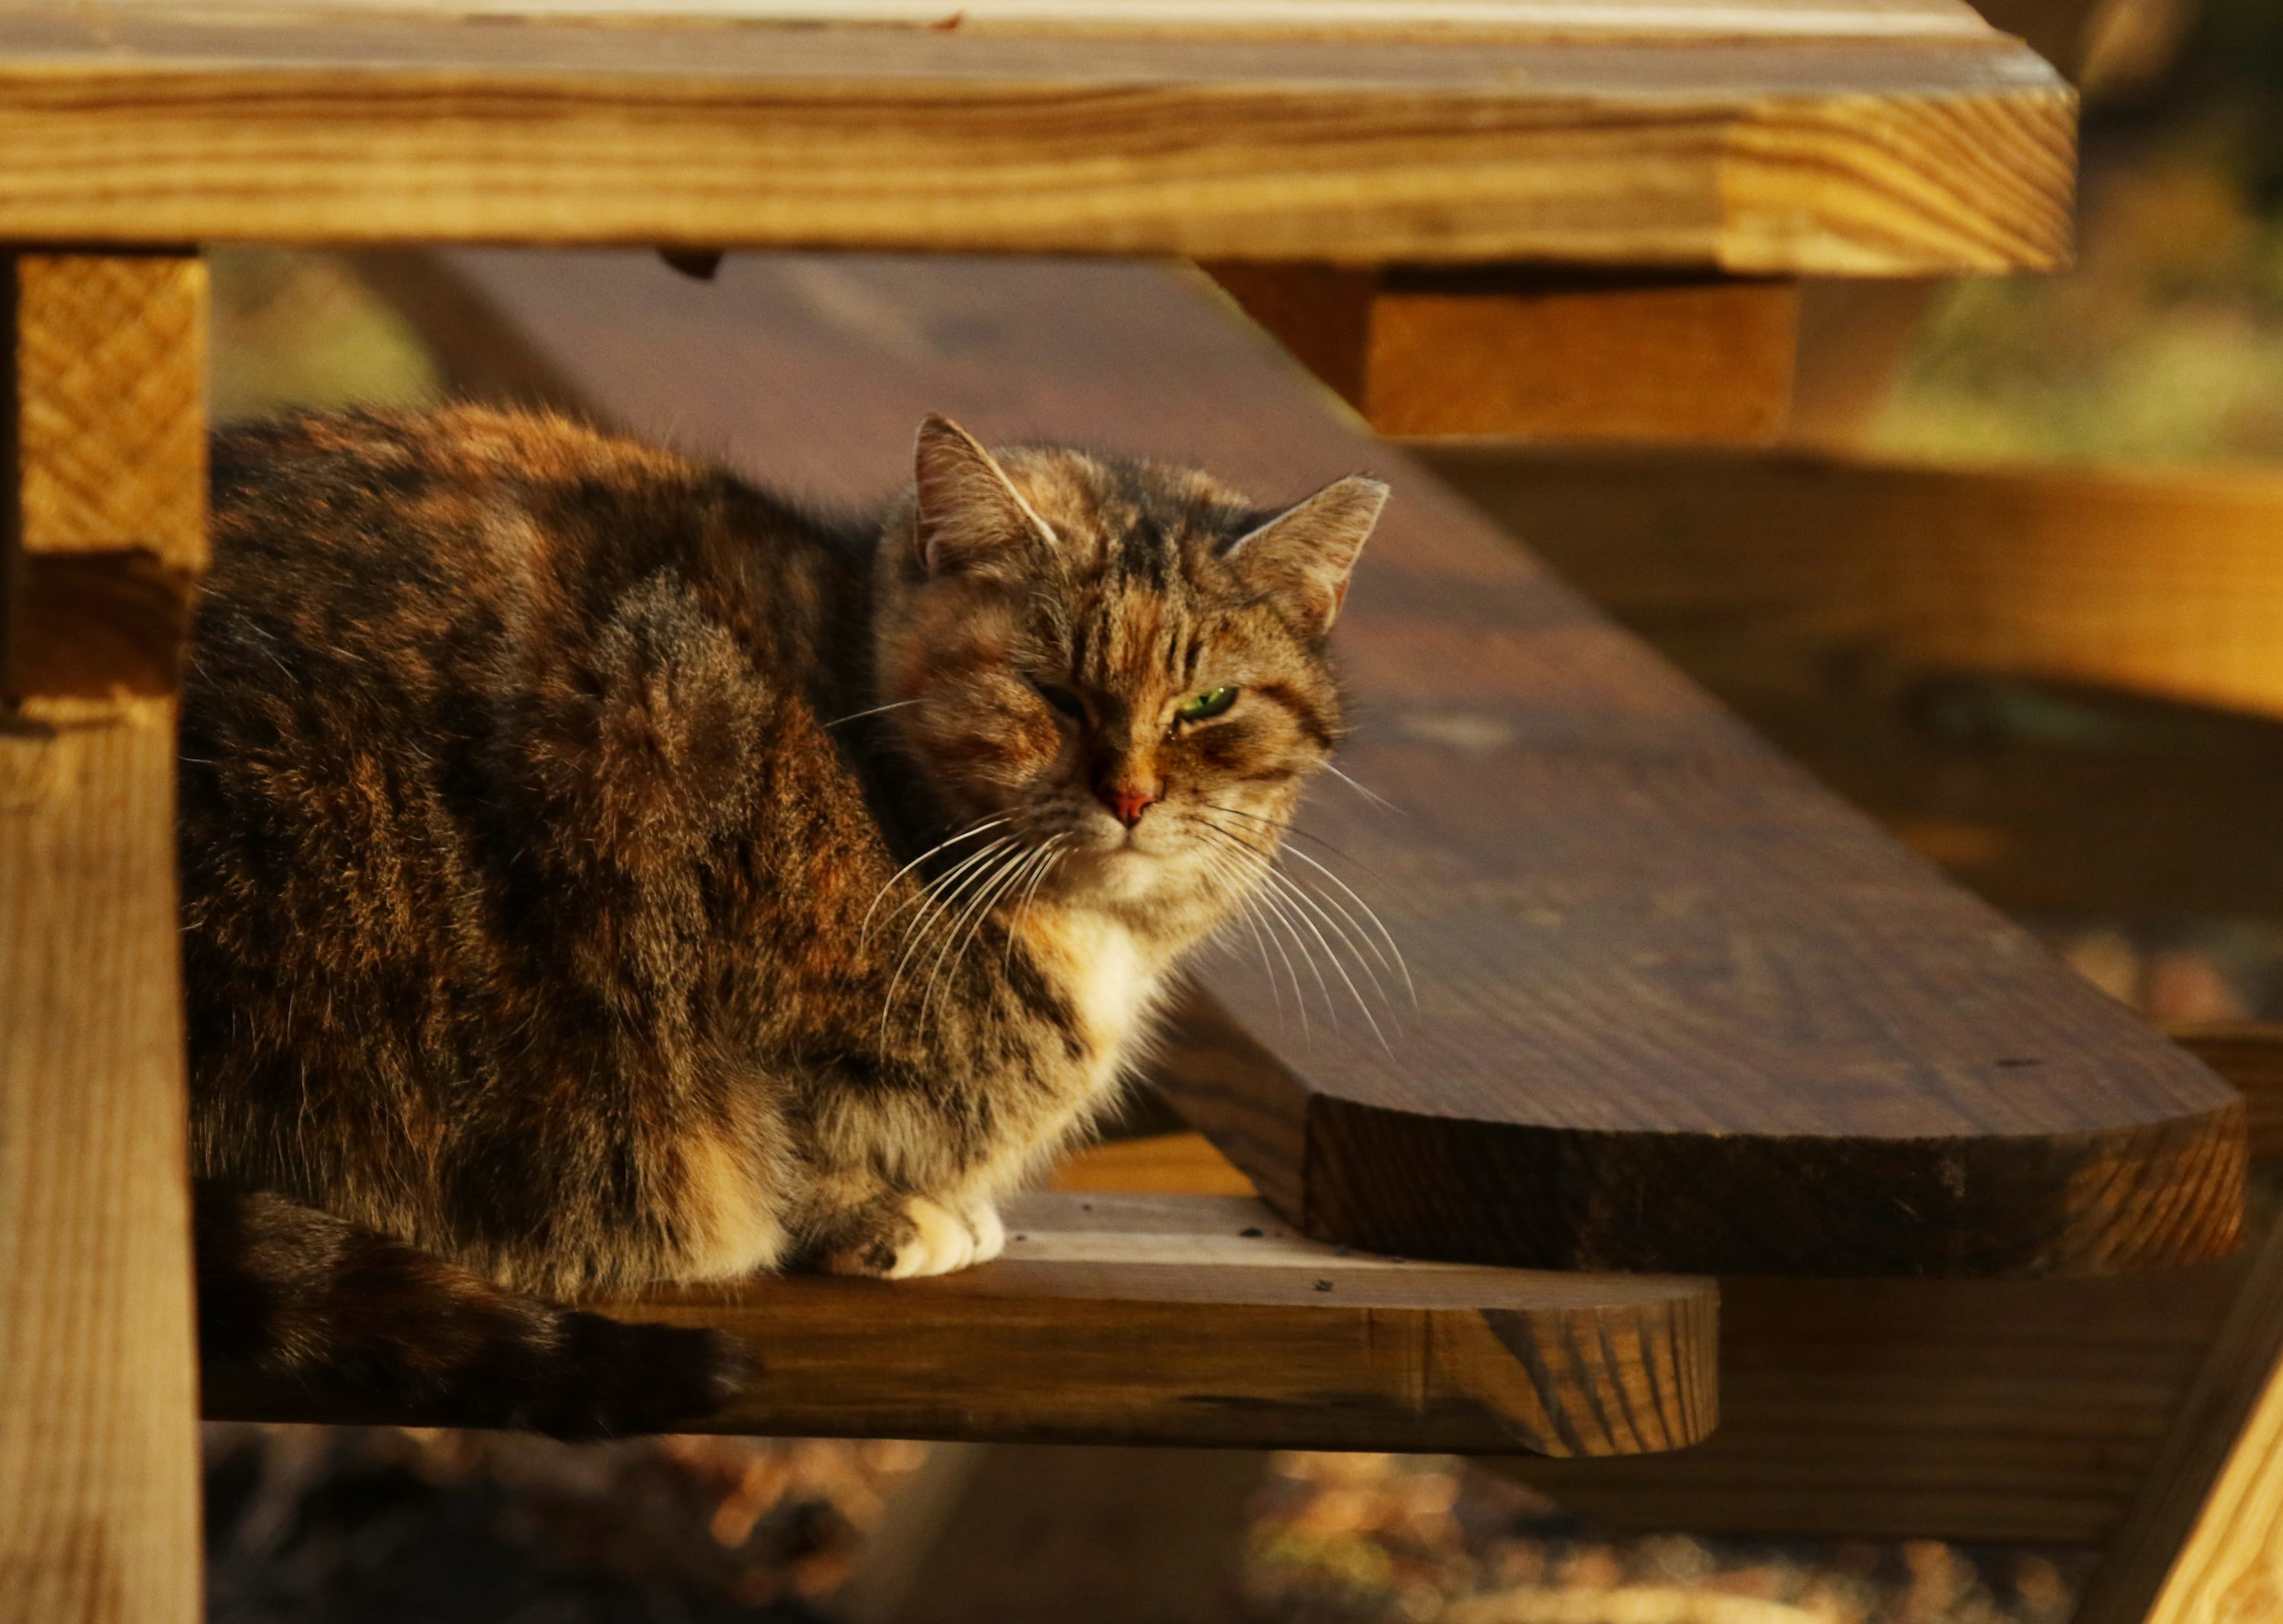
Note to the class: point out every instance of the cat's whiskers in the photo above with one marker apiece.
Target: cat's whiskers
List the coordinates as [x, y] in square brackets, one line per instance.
[1049, 855]
[1258, 910]
[1364, 790]
[1003, 879]
[965, 835]
[874, 711]
[942, 895]
[1396, 964]
[1304, 907]
[1240, 889]
[1280, 916]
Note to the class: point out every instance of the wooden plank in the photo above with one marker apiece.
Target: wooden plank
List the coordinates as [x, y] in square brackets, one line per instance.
[2028, 673]
[2204, 1541]
[1759, 158]
[1677, 1008]
[98, 1452]
[1915, 20]
[2168, 583]
[1536, 356]
[1201, 1319]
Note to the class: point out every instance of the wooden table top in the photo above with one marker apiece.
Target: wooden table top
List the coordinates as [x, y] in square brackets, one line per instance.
[1759, 136]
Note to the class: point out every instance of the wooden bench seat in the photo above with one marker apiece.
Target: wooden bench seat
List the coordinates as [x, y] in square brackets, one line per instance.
[1677, 1008]
[1196, 1319]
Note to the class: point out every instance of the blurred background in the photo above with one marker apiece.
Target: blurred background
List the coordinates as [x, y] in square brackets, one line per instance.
[2121, 803]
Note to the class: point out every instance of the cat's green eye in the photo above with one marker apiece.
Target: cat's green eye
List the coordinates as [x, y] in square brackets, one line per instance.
[1204, 707]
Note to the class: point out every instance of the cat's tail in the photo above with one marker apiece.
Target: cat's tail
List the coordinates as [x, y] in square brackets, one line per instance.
[293, 1297]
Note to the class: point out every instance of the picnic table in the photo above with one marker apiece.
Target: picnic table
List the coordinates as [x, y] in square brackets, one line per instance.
[1680, 1012]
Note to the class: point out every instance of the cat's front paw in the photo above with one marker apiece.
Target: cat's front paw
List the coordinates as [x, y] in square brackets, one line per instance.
[989, 1230]
[918, 1237]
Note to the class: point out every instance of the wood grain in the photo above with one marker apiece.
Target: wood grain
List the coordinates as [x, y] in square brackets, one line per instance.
[1537, 356]
[1677, 1008]
[2000, 1411]
[110, 515]
[98, 1486]
[2203, 1543]
[2062, 683]
[1201, 1319]
[1916, 20]
[1759, 157]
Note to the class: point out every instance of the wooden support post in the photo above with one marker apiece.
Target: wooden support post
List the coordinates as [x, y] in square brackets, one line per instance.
[103, 540]
[1042, 1533]
[1537, 356]
[2203, 1543]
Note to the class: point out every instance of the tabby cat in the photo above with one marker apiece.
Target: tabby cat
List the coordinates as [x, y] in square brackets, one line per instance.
[598, 871]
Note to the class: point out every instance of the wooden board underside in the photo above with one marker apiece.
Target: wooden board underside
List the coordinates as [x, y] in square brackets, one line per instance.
[1917, 20]
[1847, 158]
[1679, 1009]
[1197, 1319]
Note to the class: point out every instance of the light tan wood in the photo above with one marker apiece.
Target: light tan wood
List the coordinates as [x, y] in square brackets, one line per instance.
[2203, 1542]
[1536, 356]
[1840, 157]
[1199, 1319]
[1914, 21]
[2168, 583]
[110, 368]
[98, 1485]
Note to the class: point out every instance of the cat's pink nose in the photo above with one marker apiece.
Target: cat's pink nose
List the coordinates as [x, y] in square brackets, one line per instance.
[1127, 805]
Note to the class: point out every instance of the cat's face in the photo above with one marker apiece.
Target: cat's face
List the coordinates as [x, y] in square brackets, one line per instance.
[1117, 666]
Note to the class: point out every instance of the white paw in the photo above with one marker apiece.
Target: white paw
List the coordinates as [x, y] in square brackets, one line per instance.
[990, 1231]
[940, 1243]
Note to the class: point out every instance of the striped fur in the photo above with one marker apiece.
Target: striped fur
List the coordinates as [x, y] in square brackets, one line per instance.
[598, 871]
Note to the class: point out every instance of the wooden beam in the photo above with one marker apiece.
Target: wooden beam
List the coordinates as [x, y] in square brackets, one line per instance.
[1137, 1319]
[1677, 1008]
[1536, 356]
[104, 493]
[2062, 682]
[1761, 156]
[2204, 1538]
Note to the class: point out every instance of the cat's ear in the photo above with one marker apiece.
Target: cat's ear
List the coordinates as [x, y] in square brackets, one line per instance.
[970, 516]
[1305, 553]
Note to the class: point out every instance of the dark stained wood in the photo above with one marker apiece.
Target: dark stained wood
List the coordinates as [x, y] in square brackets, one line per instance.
[1760, 155]
[1679, 1009]
[1196, 1319]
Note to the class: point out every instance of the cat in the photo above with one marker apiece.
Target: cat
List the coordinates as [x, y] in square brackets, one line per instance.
[599, 871]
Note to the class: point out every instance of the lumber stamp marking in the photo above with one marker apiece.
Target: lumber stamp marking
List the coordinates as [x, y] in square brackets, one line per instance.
[102, 539]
